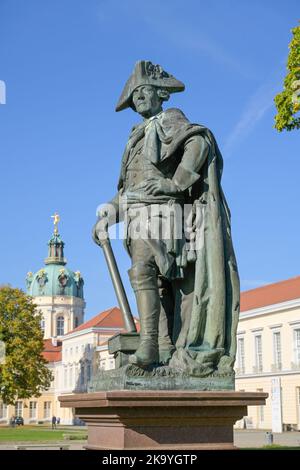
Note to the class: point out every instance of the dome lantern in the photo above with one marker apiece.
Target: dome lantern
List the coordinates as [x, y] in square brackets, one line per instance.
[56, 245]
[55, 279]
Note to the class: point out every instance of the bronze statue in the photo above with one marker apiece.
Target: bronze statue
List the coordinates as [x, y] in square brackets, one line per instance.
[185, 279]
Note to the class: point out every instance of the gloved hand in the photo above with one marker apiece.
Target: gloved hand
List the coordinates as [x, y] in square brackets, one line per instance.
[100, 229]
[160, 186]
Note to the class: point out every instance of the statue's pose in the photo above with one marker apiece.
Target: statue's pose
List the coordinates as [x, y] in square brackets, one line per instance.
[185, 280]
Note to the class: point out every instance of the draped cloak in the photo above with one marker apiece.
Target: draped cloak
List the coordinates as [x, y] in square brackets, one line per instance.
[210, 336]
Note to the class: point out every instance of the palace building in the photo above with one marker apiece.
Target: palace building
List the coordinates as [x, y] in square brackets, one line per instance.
[73, 348]
[268, 354]
[268, 345]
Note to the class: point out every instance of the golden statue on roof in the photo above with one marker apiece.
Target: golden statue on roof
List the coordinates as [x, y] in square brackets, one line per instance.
[56, 219]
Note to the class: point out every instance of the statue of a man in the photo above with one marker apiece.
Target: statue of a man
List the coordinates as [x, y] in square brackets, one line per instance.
[186, 285]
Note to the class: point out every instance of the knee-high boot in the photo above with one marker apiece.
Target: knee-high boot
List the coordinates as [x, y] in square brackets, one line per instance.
[144, 282]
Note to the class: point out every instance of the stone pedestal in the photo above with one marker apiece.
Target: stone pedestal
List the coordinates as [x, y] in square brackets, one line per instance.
[122, 345]
[161, 420]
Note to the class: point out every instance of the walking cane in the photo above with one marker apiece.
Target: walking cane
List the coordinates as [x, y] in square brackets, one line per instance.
[118, 284]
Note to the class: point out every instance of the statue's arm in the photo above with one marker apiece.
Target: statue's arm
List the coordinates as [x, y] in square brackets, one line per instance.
[116, 215]
[194, 155]
[112, 210]
[187, 173]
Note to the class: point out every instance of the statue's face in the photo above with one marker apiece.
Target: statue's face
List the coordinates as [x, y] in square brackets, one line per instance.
[146, 101]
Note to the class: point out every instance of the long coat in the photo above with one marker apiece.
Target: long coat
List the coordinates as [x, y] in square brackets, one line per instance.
[210, 337]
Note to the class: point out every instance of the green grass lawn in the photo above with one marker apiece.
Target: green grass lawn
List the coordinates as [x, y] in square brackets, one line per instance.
[272, 447]
[36, 434]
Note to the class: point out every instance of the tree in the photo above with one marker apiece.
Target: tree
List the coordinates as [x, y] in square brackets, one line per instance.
[23, 373]
[288, 101]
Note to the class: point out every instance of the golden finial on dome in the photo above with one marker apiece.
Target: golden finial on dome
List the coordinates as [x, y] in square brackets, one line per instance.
[56, 219]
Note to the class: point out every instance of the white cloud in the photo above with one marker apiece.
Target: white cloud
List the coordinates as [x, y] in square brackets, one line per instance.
[197, 42]
[257, 106]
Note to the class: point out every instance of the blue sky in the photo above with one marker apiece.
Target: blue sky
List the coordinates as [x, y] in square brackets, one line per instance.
[64, 63]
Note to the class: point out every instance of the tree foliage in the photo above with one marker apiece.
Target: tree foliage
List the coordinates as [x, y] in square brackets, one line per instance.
[23, 373]
[288, 101]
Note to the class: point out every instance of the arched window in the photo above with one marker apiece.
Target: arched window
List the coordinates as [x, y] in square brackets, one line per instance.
[76, 322]
[60, 326]
[43, 326]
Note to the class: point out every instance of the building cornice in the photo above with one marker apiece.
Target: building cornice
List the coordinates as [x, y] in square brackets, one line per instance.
[267, 374]
[275, 327]
[104, 347]
[61, 301]
[270, 309]
[294, 323]
[94, 329]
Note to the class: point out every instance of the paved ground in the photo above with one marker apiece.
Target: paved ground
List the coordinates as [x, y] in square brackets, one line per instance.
[243, 439]
[78, 445]
[252, 438]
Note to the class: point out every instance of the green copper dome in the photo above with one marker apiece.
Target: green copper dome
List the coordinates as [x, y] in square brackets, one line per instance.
[55, 278]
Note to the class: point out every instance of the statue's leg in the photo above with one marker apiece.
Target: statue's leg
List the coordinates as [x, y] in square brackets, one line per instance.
[166, 320]
[143, 278]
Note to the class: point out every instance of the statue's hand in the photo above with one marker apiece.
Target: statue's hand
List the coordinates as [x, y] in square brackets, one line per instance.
[161, 186]
[100, 230]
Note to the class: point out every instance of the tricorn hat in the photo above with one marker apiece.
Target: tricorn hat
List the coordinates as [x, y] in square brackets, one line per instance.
[146, 73]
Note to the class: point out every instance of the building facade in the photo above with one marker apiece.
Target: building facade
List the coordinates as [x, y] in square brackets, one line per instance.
[268, 354]
[74, 349]
[268, 346]
[84, 351]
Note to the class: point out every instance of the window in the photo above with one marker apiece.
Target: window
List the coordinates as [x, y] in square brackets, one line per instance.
[32, 409]
[65, 376]
[76, 350]
[258, 353]
[43, 326]
[70, 375]
[57, 379]
[82, 379]
[76, 322]
[77, 374]
[60, 326]
[3, 410]
[261, 411]
[71, 351]
[261, 414]
[19, 408]
[297, 346]
[102, 364]
[241, 355]
[277, 349]
[47, 408]
[88, 372]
